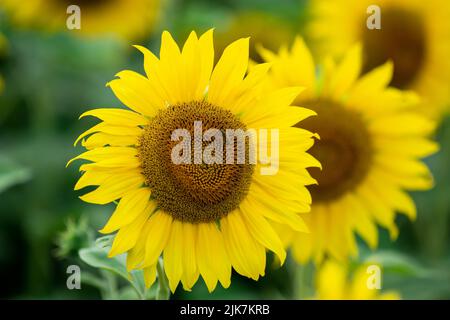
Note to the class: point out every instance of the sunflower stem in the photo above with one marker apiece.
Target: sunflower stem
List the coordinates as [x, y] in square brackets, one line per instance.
[110, 290]
[163, 292]
[304, 275]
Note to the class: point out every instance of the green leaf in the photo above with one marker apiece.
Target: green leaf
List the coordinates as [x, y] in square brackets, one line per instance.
[12, 174]
[395, 262]
[98, 258]
[105, 241]
[127, 294]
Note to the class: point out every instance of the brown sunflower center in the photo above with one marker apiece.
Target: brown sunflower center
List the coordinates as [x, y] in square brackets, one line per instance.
[191, 191]
[344, 150]
[401, 39]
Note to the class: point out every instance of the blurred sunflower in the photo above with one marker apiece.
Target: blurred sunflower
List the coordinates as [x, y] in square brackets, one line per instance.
[332, 283]
[370, 147]
[130, 19]
[264, 29]
[204, 218]
[414, 35]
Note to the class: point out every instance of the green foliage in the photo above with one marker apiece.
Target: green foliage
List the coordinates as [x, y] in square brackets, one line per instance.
[12, 174]
[112, 270]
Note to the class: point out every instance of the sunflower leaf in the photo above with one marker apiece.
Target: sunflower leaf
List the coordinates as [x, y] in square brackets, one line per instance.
[98, 258]
[397, 263]
[12, 174]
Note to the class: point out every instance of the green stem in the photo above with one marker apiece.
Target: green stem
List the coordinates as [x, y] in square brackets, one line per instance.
[163, 292]
[304, 275]
[92, 280]
[110, 292]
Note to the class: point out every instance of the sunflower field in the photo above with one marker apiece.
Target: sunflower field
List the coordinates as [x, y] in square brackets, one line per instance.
[228, 149]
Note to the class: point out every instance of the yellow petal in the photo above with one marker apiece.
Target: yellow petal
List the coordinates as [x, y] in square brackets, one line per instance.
[128, 235]
[112, 130]
[247, 256]
[363, 222]
[302, 247]
[105, 153]
[136, 255]
[159, 228]
[274, 106]
[150, 275]
[414, 147]
[114, 188]
[229, 72]
[406, 124]
[270, 207]
[331, 281]
[206, 53]
[394, 196]
[374, 81]
[304, 63]
[169, 68]
[129, 208]
[110, 156]
[173, 260]
[118, 117]
[101, 139]
[150, 60]
[263, 232]
[137, 93]
[402, 166]
[347, 72]
[212, 259]
[382, 213]
[190, 270]
[359, 289]
[249, 91]
[95, 178]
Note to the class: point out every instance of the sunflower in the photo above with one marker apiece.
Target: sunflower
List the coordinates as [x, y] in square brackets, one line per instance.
[205, 219]
[129, 19]
[414, 35]
[332, 283]
[371, 142]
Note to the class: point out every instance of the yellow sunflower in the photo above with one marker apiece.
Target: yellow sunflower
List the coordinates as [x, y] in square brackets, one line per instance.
[370, 146]
[129, 19]
[414, 34]
[203, 218]
[332, 283]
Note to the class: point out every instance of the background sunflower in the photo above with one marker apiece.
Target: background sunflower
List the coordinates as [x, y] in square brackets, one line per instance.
[333, 282]
[130, 19]
[413, 36]
[53, 77]
[371, 143]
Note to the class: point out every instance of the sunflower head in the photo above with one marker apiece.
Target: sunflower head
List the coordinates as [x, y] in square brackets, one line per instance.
[178, 164]
[197, 193]
[371, 144]
[128, 19]
[412, 34]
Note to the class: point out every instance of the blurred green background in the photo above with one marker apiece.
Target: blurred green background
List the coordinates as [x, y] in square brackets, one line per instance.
[51, 78]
